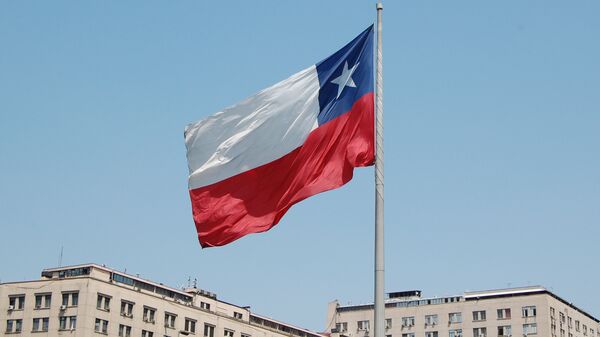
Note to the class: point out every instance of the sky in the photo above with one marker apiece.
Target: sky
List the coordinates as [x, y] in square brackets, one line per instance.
[492, 160]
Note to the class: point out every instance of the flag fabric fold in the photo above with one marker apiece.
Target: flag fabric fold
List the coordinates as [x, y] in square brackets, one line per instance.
[302, 136]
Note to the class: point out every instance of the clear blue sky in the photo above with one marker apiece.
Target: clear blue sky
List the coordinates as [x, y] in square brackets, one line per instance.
[492, 146]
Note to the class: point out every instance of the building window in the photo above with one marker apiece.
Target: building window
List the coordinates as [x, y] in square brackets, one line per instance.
[570, 322]
[209, 330]
[529, 329]
[410, 334]
[67, 322]
[246, 335]
[14, 325]
[455, 333]
[362, 325]
[562, 317]
[43, 301]
[70, 299]
[127, 308]
[504, 313]
[204, 305]
[480, 332]
[146, 333]
[16, 302]
[552, 312]
[170, 320]
[408, 321]
[124, 330]
[388, 323]
[455, 317]
[101, 326]
[341, 327]
[40, 324]
[504, 331]
[149, 314]
[227, 333]
[529, 311]
[103, 302]
[585, 330]
[478, 316]
[431, 320]
[431, 334]
[237, 315]
[190, 325]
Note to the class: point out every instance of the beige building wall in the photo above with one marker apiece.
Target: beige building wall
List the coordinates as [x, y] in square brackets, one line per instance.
[398, 310]
[226, 319]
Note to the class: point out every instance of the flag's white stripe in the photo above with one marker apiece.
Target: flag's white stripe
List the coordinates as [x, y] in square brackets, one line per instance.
[252, 133]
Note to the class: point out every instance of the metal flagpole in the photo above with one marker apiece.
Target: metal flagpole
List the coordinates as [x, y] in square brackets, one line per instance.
[379, 261]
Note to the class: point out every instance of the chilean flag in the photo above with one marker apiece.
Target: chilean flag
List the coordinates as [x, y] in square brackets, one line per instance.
[304, 135]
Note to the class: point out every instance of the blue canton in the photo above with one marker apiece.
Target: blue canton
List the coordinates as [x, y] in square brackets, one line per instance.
[345, 76]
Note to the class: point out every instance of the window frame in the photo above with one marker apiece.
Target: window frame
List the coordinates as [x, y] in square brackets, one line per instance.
[457, 317]
[18, 301]
[149, 314]
[190, 325]
[173, 320]
[210, 328]
[103, 302]
[126, 309]
[101, 326]
[506, 314]
[69, 296]
[479, 316]
[480, 331]
[525, 333]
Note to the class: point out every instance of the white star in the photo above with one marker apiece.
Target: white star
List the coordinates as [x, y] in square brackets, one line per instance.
[345, 79]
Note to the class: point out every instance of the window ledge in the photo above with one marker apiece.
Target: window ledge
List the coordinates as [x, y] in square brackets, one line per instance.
[38, 331]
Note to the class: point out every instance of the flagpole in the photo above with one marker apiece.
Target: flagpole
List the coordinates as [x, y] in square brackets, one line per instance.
[379, 252]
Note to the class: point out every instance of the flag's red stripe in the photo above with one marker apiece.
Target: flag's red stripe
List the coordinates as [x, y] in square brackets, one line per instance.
[255, 200]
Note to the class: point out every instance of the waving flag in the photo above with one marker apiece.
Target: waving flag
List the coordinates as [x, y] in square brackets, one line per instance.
[304, 135]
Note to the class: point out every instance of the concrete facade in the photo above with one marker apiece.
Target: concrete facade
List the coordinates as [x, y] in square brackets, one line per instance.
[92, 300]
[530, 311]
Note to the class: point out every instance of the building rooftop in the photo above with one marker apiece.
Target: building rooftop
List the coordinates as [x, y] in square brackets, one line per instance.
[413, 298]
[183, 296]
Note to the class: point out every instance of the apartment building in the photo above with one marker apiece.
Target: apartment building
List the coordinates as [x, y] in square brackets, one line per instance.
[529, 311]
[92, 300]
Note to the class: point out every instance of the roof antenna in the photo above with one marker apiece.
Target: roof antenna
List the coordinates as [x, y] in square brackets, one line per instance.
[60, 256]
[195, 283]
